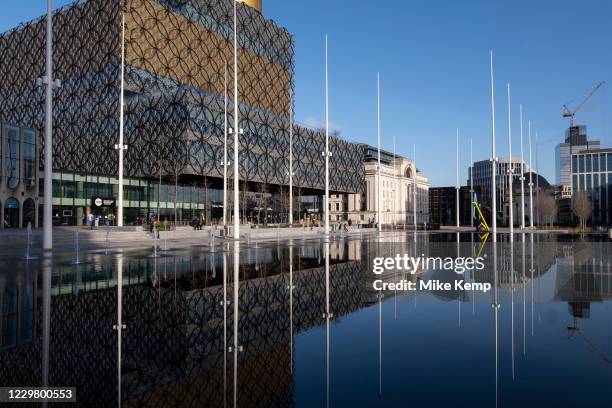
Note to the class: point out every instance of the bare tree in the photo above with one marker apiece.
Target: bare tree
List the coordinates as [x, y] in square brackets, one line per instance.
[282, 203]
[262, 202]
[230, 199]
[582, 208]
[547, 207]
[336, 133]
[298, 200]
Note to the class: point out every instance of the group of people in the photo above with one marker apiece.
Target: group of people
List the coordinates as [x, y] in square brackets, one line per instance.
[93, 220]
[196, 223]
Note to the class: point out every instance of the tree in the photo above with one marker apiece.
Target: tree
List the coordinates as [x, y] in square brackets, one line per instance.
[335, 133]
[298, 200]
[262, 202]
[582, 208]
[230, 199]
[548, 207]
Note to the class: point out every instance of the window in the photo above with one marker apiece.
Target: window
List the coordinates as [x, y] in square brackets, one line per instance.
[588, 163]
[67, 189]
[28, 216]
[11, 213]
[581, 163]
[11, 157]
[588, 183]
[29, 158]
[55, 188]
[574, 164]
[595, 162]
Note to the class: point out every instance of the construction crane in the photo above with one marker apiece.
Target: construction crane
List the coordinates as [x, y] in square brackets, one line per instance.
[567, 113]
[575, 329]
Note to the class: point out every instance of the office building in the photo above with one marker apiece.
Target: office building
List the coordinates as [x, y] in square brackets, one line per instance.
[481, 172]
[591, 173]
[575, 141]
[398, 179]
[443, 206]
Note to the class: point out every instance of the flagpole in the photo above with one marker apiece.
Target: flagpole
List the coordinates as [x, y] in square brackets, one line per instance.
[236, 131]
[326, 153]
[225, 164]
[530, 178]
[471, 184]
[457, 182]
[493, 158]
[378, 194]
[522, 173]
[510, 166]
[121, 147]
[291, 157]
[414, 190]
[394, 190]
[48, 149]
[537, 208]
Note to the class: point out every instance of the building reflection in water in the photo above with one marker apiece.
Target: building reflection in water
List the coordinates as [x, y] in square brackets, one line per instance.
[182, 330]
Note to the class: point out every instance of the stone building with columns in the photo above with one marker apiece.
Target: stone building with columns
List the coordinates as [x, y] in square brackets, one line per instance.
[399, 178]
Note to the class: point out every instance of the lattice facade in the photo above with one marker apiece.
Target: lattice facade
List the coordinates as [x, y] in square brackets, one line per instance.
[175, 55]
[172, 349]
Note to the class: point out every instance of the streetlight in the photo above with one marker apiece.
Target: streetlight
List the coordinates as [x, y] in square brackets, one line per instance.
[225, 163]
[48, 151]
[121, 147]
[326, 153]
[236, 131]
[290, 156]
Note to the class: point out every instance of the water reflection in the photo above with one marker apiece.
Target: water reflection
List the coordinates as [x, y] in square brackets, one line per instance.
[238, 325]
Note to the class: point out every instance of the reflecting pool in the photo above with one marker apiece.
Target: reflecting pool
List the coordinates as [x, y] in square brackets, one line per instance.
[299, 323]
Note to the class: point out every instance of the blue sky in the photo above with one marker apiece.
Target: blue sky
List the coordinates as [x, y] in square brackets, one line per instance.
[432, 56]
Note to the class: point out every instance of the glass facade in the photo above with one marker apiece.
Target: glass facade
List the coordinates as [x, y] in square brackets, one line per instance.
[29, 159]
[73, 197]
[11, 157]
[591, 174]
[18, 175]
